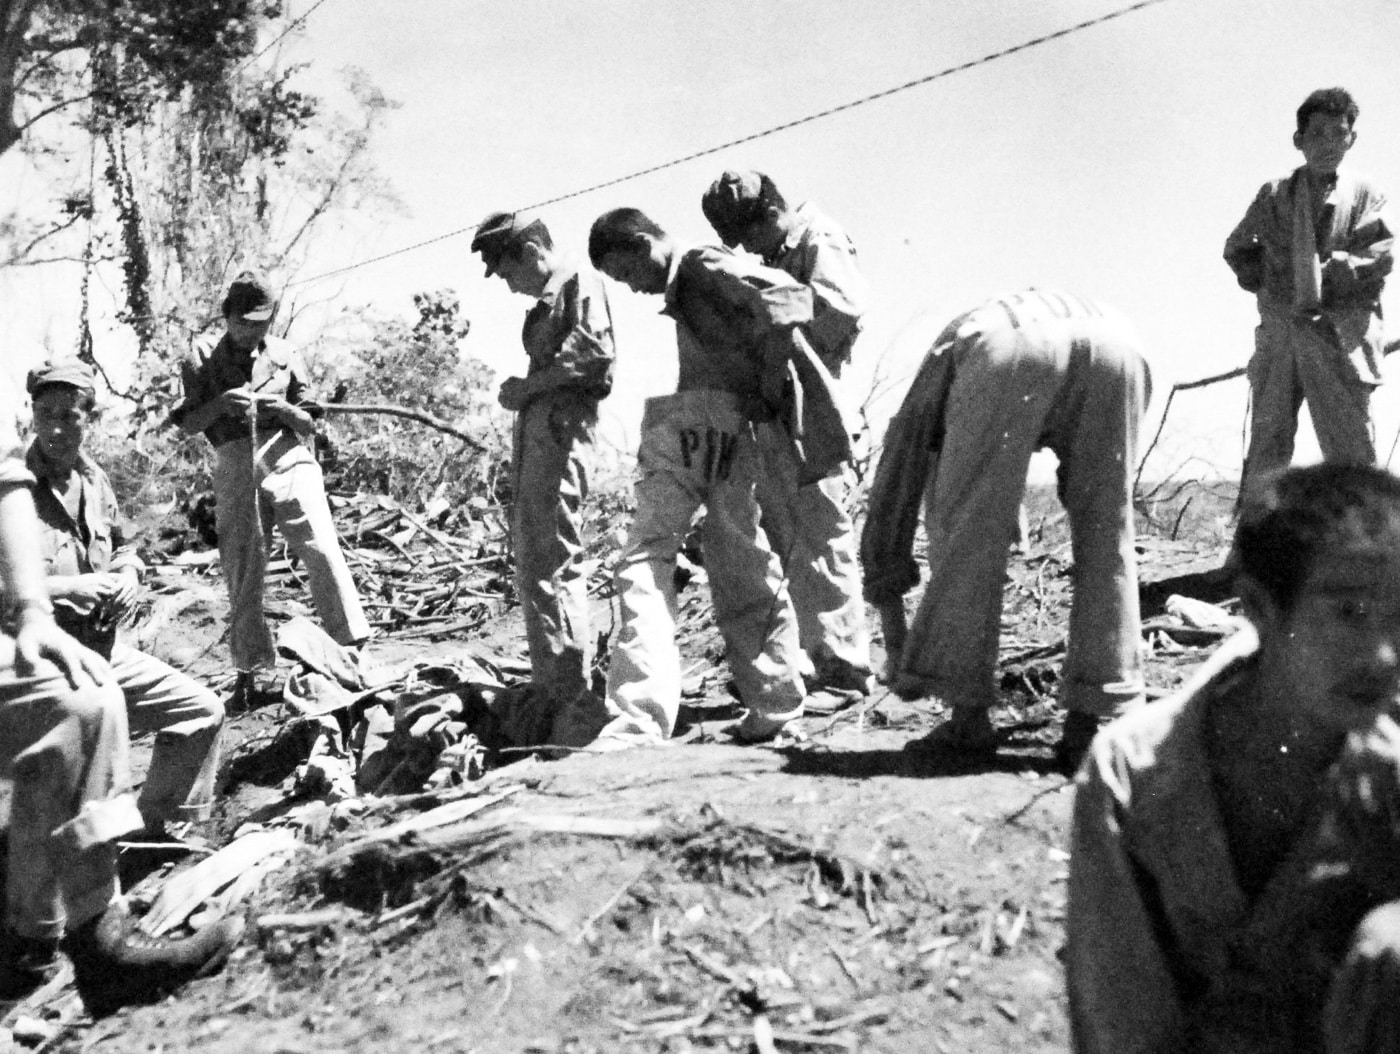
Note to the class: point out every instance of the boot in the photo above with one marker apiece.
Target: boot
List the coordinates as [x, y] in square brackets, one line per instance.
[115, 964]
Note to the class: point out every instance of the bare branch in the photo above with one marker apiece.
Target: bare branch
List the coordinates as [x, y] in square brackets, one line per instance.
[412, 415]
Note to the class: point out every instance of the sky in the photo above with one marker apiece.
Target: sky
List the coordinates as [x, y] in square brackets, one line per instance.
[1112, 162]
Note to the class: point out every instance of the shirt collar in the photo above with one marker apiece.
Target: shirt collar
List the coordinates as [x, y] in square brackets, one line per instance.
[802, 220]
[555, 285]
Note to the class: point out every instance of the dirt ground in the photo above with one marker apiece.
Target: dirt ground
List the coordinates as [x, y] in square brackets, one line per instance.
[828, 894]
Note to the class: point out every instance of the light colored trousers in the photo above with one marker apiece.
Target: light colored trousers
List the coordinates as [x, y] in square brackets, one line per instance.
[697, 449]
[1295, 360]
[67, 754]
[812, 533]
[552, 434]
[1015, 391]
[284, 489]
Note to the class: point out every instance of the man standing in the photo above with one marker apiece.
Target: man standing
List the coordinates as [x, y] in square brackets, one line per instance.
[807, 523]
[568, 339]
[1315, 248]
[737, 330]
[93, 580]
[1234, 881]
[1022, 372]
[63, 743]
[244, 390]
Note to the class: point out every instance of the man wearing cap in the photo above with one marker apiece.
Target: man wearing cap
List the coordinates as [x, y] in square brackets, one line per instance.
[93, 579]
[244, 390]
[808, 524]
[568, 339]
[63, 744]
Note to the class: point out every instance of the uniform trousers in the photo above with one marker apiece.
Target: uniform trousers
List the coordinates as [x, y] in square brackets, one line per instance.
[698, 449]
[1296, 359]
[283, 488]
[1016, 390]
[552, 435]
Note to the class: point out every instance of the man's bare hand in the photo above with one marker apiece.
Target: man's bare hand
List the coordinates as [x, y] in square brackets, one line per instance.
[38, 640]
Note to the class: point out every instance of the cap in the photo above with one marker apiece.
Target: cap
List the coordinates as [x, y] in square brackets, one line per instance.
[71, 371]
[733, 203]
[500, 231]
[250, 298]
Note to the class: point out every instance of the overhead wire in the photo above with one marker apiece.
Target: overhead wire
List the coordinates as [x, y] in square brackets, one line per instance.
[751, 137]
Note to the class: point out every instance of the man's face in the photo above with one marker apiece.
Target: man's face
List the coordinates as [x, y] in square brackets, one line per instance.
[761, 237]
[640, 271]
[527, 274]
[61, 414]
[246, 335]
[1340, 641]
[1324, 142]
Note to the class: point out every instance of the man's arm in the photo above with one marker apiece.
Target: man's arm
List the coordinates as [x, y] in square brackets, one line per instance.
[1357, 273]
[37, 636]
[838, 286]
[1122, 997]
[585, 356]
[1244, 251]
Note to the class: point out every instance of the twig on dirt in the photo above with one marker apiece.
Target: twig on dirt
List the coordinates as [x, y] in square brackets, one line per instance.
[408, 909]
[608, 905]
[302, 920]
[505, 897]
[1015, 814]
[845, 968]
[716, 969]
[859, 1017]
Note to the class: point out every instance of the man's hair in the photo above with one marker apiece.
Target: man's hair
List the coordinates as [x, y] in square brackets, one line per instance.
[1333, 102]
[738, 200]
[621, 231]
[1292, 516]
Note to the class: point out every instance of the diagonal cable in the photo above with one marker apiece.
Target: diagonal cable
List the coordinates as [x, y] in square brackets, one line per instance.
[774, 130]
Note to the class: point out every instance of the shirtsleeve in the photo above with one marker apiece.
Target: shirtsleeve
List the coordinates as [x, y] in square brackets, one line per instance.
[586, 353]
[1244, 251]
[1122, 996]
[838, 286]
[1367, 258]
[758, 298]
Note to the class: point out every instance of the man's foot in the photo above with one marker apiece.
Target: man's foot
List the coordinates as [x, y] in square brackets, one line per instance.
[114, 963]
[759, 728]
[26, 963]
[968, 731]
[1079, 732]
[252, 689]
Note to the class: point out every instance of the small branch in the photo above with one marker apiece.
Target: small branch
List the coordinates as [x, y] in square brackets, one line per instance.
[403, 411]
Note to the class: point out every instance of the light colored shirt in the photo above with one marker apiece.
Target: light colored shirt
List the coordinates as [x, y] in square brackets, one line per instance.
[725, 307]
[1355, 243]
[12, 469]
[820, 255]
[1154, 900]
[570, 330]
[94, 542]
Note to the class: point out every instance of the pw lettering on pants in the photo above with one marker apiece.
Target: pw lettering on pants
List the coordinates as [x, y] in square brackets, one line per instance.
[719, 449]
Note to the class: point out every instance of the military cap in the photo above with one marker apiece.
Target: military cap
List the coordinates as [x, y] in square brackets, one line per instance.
[69, 370]
[501, 231]
[250, 298]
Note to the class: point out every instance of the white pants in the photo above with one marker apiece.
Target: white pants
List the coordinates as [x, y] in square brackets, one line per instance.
[697, 449]
[812, 533]
[283, 488]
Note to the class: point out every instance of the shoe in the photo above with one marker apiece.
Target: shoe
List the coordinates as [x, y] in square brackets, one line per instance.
[26, 964]
[822, 702]
[757, 728]
[115, 964]
[968, 731]
[1079, 731]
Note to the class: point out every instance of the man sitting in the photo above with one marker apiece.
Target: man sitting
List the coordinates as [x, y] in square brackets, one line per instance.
[1235, 871]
